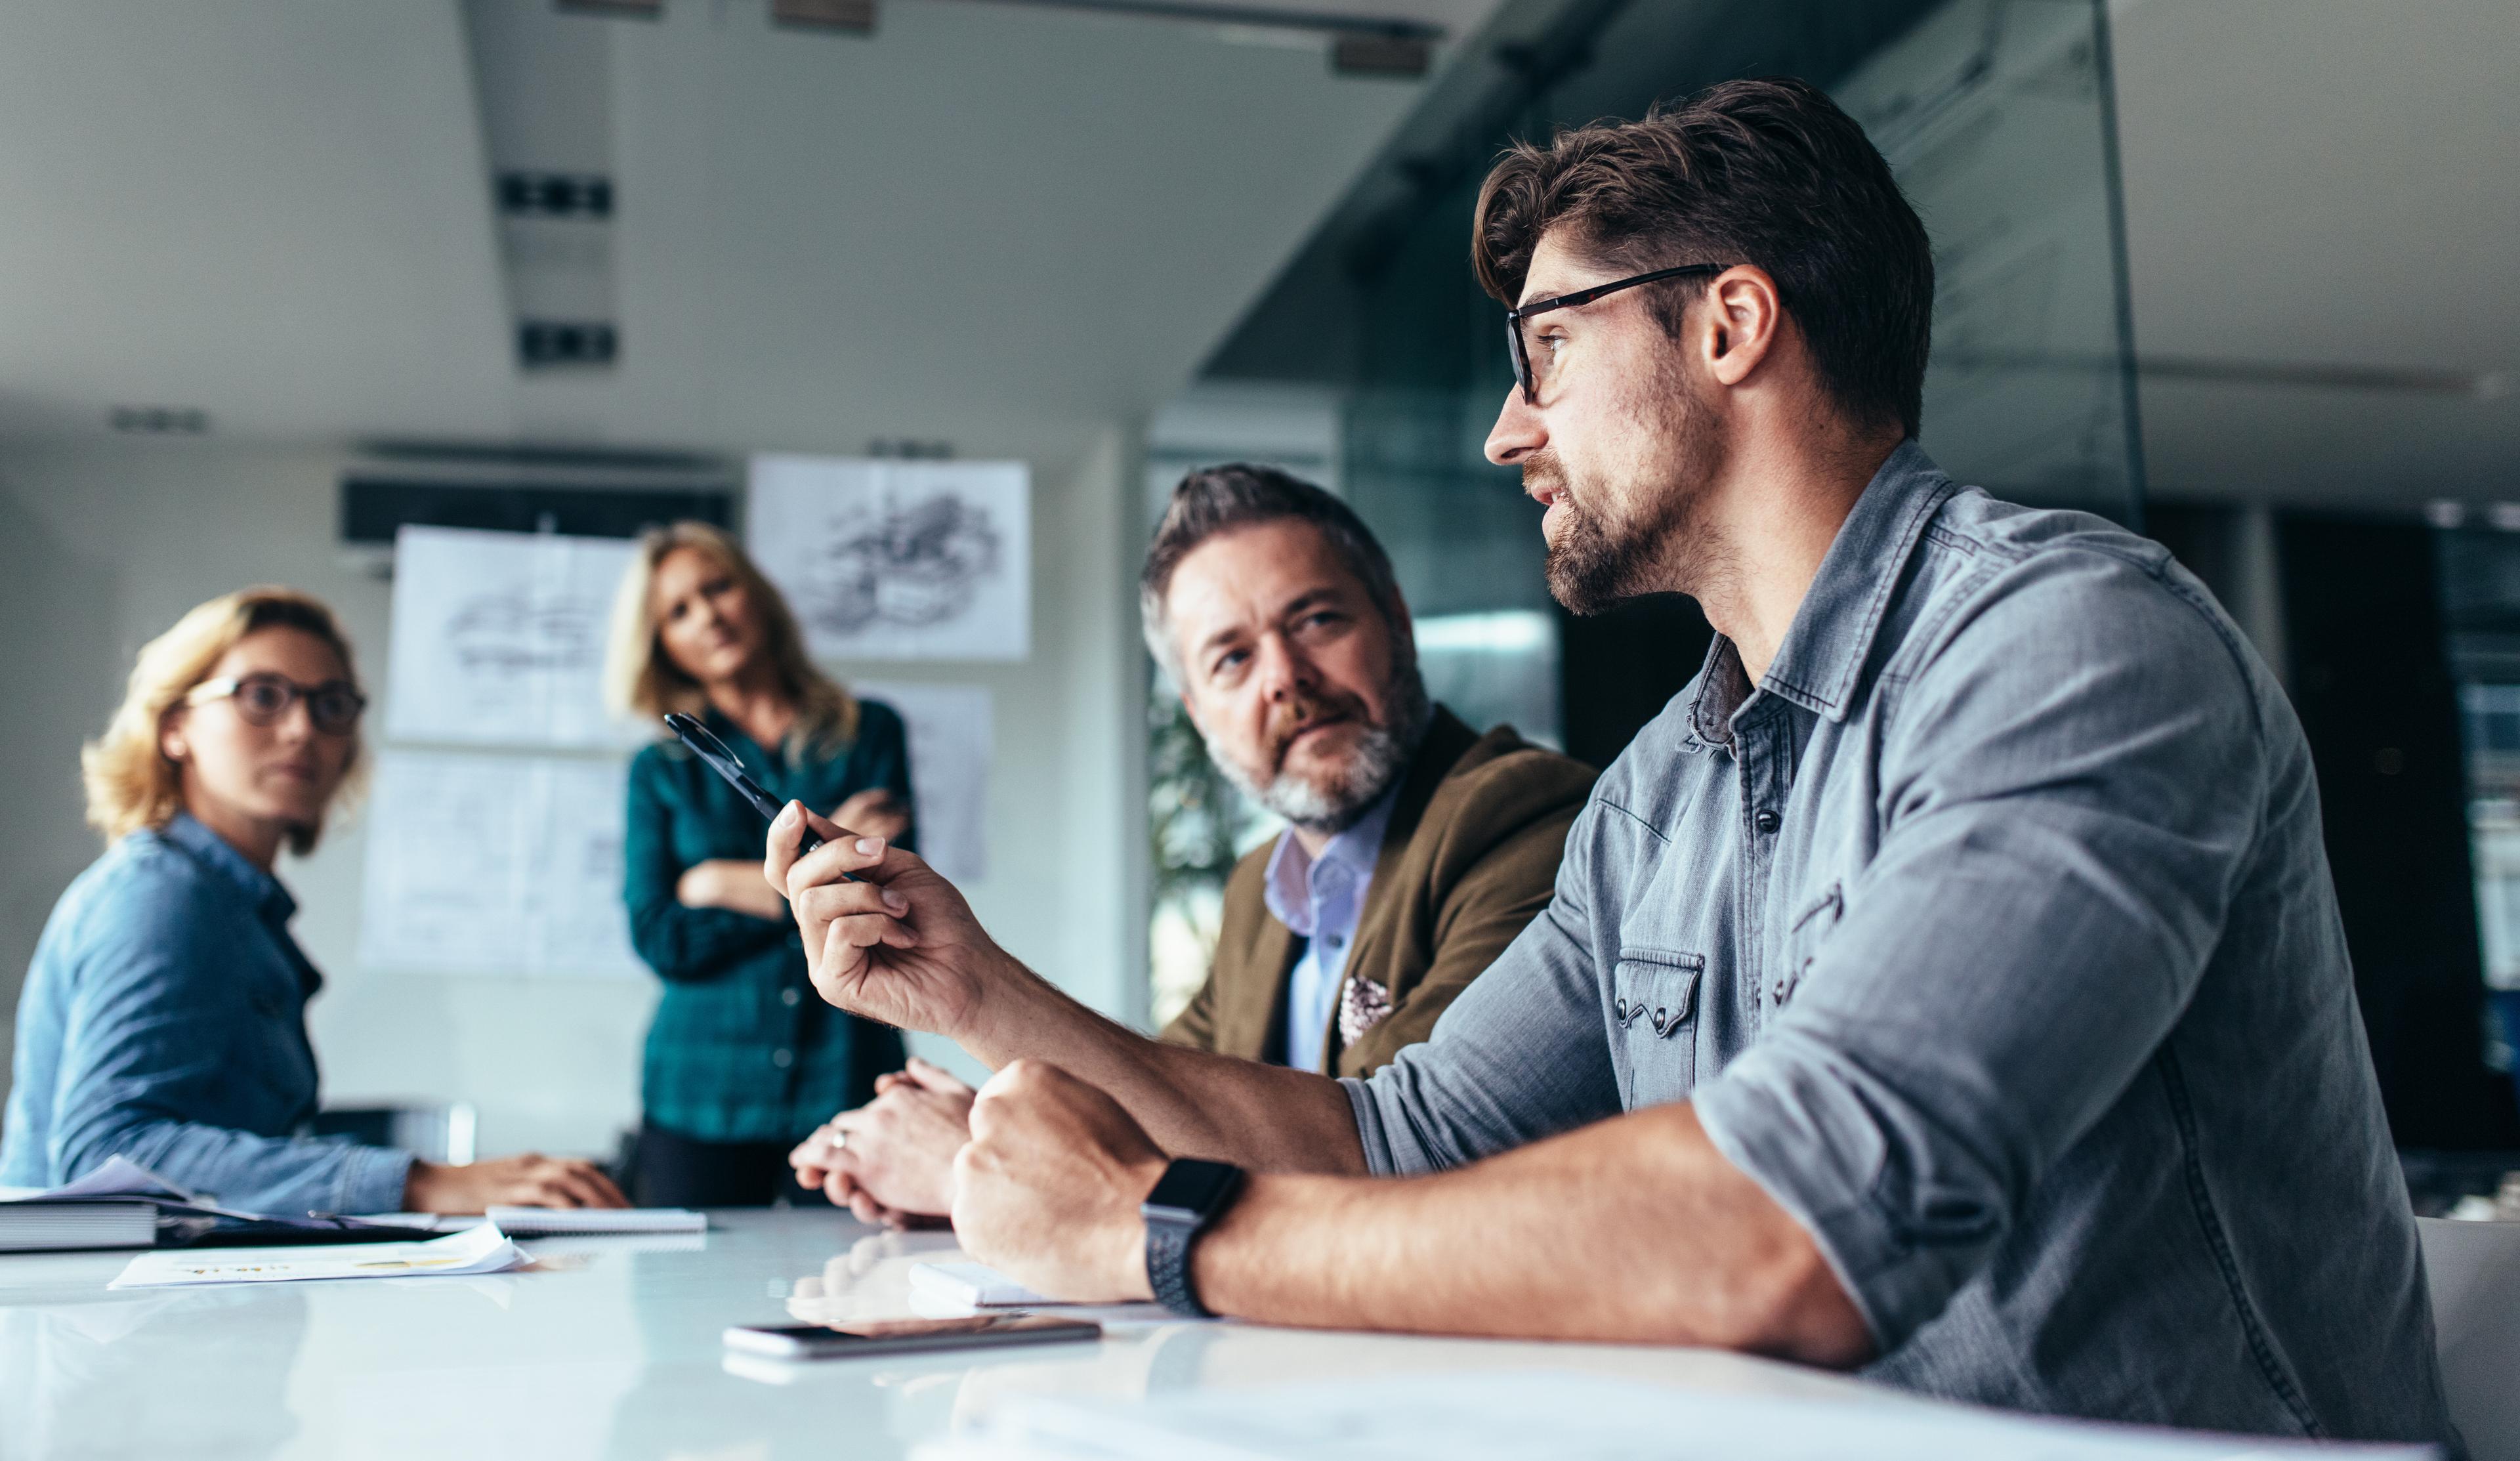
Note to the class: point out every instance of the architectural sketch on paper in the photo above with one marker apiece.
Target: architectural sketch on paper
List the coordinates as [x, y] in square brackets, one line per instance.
[498, 639]
[508, 633]
[921, 564]
[496, 864]
[892, 559]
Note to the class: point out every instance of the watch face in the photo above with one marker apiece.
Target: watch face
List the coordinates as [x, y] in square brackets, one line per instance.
[1192, 1188]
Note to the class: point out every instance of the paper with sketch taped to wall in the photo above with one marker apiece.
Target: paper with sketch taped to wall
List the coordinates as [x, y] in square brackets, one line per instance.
[496, 864]
[1469, 1415]
[950, 748]
[498, 638]
[885, 559]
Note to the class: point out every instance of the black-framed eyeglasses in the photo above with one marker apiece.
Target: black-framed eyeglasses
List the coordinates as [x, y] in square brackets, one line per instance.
[1523, 373]
[263, 697]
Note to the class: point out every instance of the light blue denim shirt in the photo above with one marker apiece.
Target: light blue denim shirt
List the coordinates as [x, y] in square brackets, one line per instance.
[1320, 899]
[1992, 934]
[165, 1020]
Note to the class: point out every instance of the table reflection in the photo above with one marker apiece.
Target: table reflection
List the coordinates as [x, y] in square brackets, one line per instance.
[194, 1373]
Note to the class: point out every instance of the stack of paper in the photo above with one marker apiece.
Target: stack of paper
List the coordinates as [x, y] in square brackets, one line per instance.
[479, 1250]
[1472, 1416]
[33, 1225]
[116, 1206]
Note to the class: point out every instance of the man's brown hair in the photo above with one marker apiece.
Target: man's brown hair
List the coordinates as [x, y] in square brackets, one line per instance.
[1767, 172]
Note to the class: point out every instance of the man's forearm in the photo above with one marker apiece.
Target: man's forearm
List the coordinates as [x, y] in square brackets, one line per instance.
[1192, 1102]
[1681, 1248]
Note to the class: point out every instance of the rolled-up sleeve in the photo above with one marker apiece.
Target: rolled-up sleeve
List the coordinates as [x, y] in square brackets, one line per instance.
[2068, 789]
[1520, 1056]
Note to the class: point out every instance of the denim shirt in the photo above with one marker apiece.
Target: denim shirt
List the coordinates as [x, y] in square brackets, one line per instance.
[1992, 934]
[165, 1020]
[1320, 899]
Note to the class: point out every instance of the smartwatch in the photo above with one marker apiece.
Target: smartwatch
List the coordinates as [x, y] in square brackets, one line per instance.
[1188, 1197]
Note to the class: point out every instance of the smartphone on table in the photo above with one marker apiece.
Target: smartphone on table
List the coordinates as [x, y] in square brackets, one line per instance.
[866, 1336]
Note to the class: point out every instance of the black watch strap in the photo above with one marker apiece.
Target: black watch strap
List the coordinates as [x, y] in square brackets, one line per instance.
[1191, 1195]
[1168, 1268]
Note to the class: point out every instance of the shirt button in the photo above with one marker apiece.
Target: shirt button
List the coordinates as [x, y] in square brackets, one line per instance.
[782, 1059]
[788, 997]
[1765, 820]
[1336, 942]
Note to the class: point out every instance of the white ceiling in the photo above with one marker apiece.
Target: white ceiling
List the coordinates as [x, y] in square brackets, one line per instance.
[2325, 184]
[997, 225]
[1003, 226]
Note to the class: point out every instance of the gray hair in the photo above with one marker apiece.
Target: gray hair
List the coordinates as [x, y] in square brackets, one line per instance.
[1216, 500]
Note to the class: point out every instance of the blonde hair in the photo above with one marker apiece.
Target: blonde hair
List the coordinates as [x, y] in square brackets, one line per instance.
[131, 782]
[640, 679]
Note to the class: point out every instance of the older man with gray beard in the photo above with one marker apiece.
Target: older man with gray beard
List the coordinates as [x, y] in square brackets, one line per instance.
[1416, 848]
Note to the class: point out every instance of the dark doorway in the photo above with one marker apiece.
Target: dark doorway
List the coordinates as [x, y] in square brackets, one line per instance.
[1620, 668]
[2373, 684]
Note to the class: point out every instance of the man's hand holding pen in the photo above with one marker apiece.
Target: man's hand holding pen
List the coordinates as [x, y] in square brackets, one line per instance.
[886, 936]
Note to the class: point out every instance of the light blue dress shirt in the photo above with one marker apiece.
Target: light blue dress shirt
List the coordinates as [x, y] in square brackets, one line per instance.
[1322, 900]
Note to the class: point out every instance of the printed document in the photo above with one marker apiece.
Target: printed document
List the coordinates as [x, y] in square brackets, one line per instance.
[479, 1250]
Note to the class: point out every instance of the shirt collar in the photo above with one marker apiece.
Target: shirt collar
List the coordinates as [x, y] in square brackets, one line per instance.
[1287, 887]
[1831, 635]
[213, 851]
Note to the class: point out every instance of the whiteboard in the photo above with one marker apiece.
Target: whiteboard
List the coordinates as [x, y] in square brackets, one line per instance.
[884, 560]
[948, 727]
[498, 639]
[496, 864]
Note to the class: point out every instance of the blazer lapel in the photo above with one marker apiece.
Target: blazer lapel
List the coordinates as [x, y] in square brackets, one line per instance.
[1255, 958]
[1447, 740]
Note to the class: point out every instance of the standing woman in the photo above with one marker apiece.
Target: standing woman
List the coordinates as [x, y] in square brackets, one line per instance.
[164, 1017]
[742, 1059]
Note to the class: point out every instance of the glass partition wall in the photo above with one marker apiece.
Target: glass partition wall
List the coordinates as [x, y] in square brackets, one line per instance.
[1997, 115]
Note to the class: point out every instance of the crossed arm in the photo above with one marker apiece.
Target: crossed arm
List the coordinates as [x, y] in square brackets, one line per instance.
[1542, 1240]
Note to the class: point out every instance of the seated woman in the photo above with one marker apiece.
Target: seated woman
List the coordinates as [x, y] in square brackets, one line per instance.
[743, 1059]
[164, 1015]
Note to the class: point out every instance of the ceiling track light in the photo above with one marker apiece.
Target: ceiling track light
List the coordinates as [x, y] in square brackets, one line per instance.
[1359, 45]
[855, 17]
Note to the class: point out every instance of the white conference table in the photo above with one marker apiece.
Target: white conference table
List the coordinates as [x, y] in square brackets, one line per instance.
[610, 1348]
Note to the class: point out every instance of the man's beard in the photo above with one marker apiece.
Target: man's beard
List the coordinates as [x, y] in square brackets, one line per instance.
[1661, 543]
[1381, 758]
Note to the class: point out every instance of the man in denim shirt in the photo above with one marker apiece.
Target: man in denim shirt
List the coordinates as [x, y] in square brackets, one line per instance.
[1948, 983]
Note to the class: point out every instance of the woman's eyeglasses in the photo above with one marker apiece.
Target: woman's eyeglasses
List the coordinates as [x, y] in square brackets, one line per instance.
[333, 707]
[1524, 373]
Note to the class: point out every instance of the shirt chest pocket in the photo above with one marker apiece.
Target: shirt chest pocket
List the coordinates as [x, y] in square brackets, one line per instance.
[1653, 1006]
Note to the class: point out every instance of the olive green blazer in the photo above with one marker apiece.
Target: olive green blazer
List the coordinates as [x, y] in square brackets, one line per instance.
[1469, 856]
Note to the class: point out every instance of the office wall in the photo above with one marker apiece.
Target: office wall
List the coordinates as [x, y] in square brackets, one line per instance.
[102, 545]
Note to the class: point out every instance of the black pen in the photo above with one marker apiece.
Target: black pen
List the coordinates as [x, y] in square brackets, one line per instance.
[711, 750]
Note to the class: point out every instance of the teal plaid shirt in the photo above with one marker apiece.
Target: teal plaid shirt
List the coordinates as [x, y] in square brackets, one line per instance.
[741, 1049]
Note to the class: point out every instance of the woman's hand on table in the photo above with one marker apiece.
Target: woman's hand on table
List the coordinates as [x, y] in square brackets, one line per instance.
[532, 1180]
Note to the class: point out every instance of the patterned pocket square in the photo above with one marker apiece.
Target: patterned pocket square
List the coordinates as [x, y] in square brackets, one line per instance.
[1362, 1007]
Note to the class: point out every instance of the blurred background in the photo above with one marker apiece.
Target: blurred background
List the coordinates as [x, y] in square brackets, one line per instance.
[282, 280]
